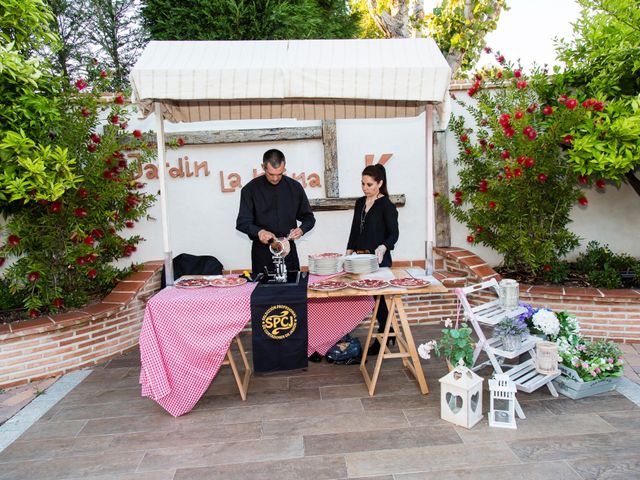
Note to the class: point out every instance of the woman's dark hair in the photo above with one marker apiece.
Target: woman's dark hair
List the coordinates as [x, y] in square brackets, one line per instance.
[378, 173]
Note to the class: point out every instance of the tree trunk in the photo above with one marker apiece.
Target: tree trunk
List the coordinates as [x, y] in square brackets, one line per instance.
[399, 22]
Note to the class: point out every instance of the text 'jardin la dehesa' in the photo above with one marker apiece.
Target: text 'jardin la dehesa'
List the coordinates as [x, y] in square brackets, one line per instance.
[229, 182]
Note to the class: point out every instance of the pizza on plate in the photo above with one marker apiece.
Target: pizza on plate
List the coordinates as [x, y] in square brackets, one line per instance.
[328, 285]
[228, 282]
[409, 282]
[369, 284]
[193, 283]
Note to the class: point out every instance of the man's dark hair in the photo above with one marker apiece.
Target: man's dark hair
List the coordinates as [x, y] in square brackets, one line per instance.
[273, 157]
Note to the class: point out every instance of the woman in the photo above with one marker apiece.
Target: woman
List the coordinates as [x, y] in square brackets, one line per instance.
[374, 229]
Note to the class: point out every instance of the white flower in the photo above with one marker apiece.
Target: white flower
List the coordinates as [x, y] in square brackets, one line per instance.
[448, 323]
[547, 322]
[424, 350]
[573, 324]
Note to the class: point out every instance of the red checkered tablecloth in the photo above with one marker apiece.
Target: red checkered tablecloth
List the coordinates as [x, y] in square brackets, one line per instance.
[186, 334]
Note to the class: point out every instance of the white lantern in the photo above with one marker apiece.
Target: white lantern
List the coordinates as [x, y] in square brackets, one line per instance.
[461, 397]
[503, 402]
[509, 294]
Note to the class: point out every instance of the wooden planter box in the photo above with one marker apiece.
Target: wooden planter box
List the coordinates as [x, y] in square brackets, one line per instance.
[571, 385]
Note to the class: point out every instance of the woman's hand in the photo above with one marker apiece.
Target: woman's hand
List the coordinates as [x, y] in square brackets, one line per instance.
[380, 251]
[349, 252]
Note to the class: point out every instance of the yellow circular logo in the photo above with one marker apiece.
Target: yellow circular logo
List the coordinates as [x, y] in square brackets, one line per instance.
[279, 322]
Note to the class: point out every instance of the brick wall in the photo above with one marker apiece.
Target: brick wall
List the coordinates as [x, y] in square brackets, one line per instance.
[602, 313]
[49, 346]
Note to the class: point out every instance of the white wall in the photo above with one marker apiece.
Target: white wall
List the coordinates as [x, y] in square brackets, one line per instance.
[202, 217]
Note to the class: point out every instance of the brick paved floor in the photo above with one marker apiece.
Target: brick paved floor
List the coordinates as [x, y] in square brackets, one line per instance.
[319, 424]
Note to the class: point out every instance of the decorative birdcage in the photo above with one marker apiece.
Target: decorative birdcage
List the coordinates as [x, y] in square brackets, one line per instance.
[503, 402]
[547, 358]
[509, 294]
[461, 397]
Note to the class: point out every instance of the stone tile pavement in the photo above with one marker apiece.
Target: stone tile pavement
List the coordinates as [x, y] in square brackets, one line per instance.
[319, 424]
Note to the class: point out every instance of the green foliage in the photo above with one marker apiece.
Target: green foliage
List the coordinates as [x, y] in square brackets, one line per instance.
[62, 250]
[33, 171]
[64, 184]
[456, 344]
[25, 23]
[30, 166]
[604, 53]
[603, 59]
[461, 25]
[602, 267]
[559, 272]
[249, 19]
[517, 187]
[589, 360]
[607, 145]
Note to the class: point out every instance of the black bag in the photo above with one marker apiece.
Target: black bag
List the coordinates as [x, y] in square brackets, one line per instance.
[347, 351]
[187, 264]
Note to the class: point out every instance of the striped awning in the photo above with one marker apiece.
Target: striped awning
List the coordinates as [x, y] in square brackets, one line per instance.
[303, 79]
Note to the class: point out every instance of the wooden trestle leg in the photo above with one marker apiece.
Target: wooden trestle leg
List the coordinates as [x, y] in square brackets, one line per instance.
[407, 349]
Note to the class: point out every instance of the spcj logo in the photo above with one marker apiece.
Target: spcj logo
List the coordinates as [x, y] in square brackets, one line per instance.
[279, 322]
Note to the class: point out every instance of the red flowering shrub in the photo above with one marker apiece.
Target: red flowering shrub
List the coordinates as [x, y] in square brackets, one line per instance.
[517, 187]
[63, 246]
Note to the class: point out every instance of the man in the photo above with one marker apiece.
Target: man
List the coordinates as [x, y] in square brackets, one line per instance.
[271, 206]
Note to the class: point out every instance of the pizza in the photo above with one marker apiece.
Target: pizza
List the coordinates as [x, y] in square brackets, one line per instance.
[369, 284]
[228, 282]
[409, 282]
[328, 285]
[193, 283]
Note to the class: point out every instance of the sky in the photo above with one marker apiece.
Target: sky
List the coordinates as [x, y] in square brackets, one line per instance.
[527, 29]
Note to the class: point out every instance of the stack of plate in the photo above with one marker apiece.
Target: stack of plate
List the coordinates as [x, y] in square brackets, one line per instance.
[365, 263]
[325, 263]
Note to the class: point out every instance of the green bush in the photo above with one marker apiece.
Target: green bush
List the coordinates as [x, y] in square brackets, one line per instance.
[602, 267]
[517, 187]
[63, 246]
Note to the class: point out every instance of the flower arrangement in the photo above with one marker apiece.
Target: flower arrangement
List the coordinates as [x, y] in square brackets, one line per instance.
[456, 344]
[516, 327]
[547, 322]
[590, 360]
[540, 321]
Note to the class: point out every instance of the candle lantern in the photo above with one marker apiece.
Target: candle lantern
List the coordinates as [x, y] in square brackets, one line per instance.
[461, 397]
[508, 293]
[546, 358]
[502, 402]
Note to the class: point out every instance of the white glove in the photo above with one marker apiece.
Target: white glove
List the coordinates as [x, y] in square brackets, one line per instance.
[380, 251]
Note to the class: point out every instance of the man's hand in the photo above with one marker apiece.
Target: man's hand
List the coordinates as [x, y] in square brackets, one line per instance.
[380, 251]
[295, 233]
[264, 236]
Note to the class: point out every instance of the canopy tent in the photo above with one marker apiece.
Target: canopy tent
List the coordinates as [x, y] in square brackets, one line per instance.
[301, 79]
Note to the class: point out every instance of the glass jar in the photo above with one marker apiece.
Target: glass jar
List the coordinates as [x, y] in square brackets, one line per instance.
[509, 294]
[511, 343]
